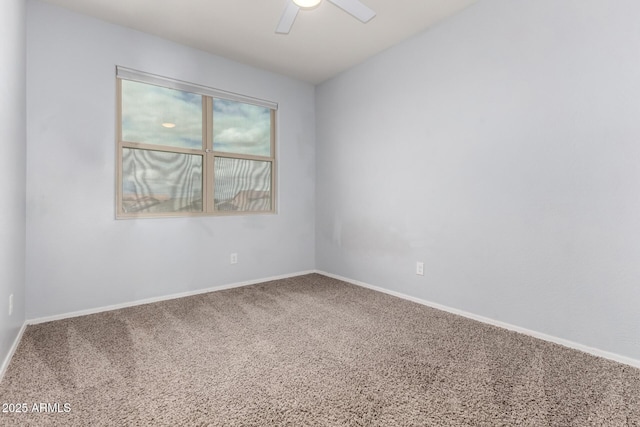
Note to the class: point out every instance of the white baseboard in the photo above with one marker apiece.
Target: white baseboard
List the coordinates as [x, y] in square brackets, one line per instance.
[550, 338]
[12, 350]
[160, 298]
[7, 360]
[570, 344]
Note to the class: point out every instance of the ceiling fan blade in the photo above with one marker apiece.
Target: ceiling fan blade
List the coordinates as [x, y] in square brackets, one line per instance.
[287, 18]
[355, 8]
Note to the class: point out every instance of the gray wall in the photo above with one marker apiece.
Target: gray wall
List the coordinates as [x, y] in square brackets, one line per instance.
[12, 169]
[502, 149]
[78, 256]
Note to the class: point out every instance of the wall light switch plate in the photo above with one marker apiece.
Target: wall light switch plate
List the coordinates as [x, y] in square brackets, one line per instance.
[420, 268]
[233, 259]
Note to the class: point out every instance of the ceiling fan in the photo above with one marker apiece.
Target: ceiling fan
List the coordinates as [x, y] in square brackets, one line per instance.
[353, 7]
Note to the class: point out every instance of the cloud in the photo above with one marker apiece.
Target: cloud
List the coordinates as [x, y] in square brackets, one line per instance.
[146, 107]
[238, 127]
[241, 128]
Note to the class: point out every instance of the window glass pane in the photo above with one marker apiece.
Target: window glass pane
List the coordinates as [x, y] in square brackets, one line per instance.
[241, 128]
[155, 181]
[242, 185]
[157, 115]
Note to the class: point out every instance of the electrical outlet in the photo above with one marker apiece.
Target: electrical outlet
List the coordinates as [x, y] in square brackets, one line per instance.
[10, 304]
[420, 268]
[233, 259]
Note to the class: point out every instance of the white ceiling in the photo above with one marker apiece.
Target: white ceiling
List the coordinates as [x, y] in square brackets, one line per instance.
[322, 43]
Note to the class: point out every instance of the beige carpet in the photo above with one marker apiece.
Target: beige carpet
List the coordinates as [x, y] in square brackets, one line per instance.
[306, 351]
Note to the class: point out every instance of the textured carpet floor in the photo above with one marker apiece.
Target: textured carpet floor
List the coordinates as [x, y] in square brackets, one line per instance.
[306, 351]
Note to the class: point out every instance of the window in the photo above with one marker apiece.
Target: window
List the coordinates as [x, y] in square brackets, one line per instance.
[189, 150]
